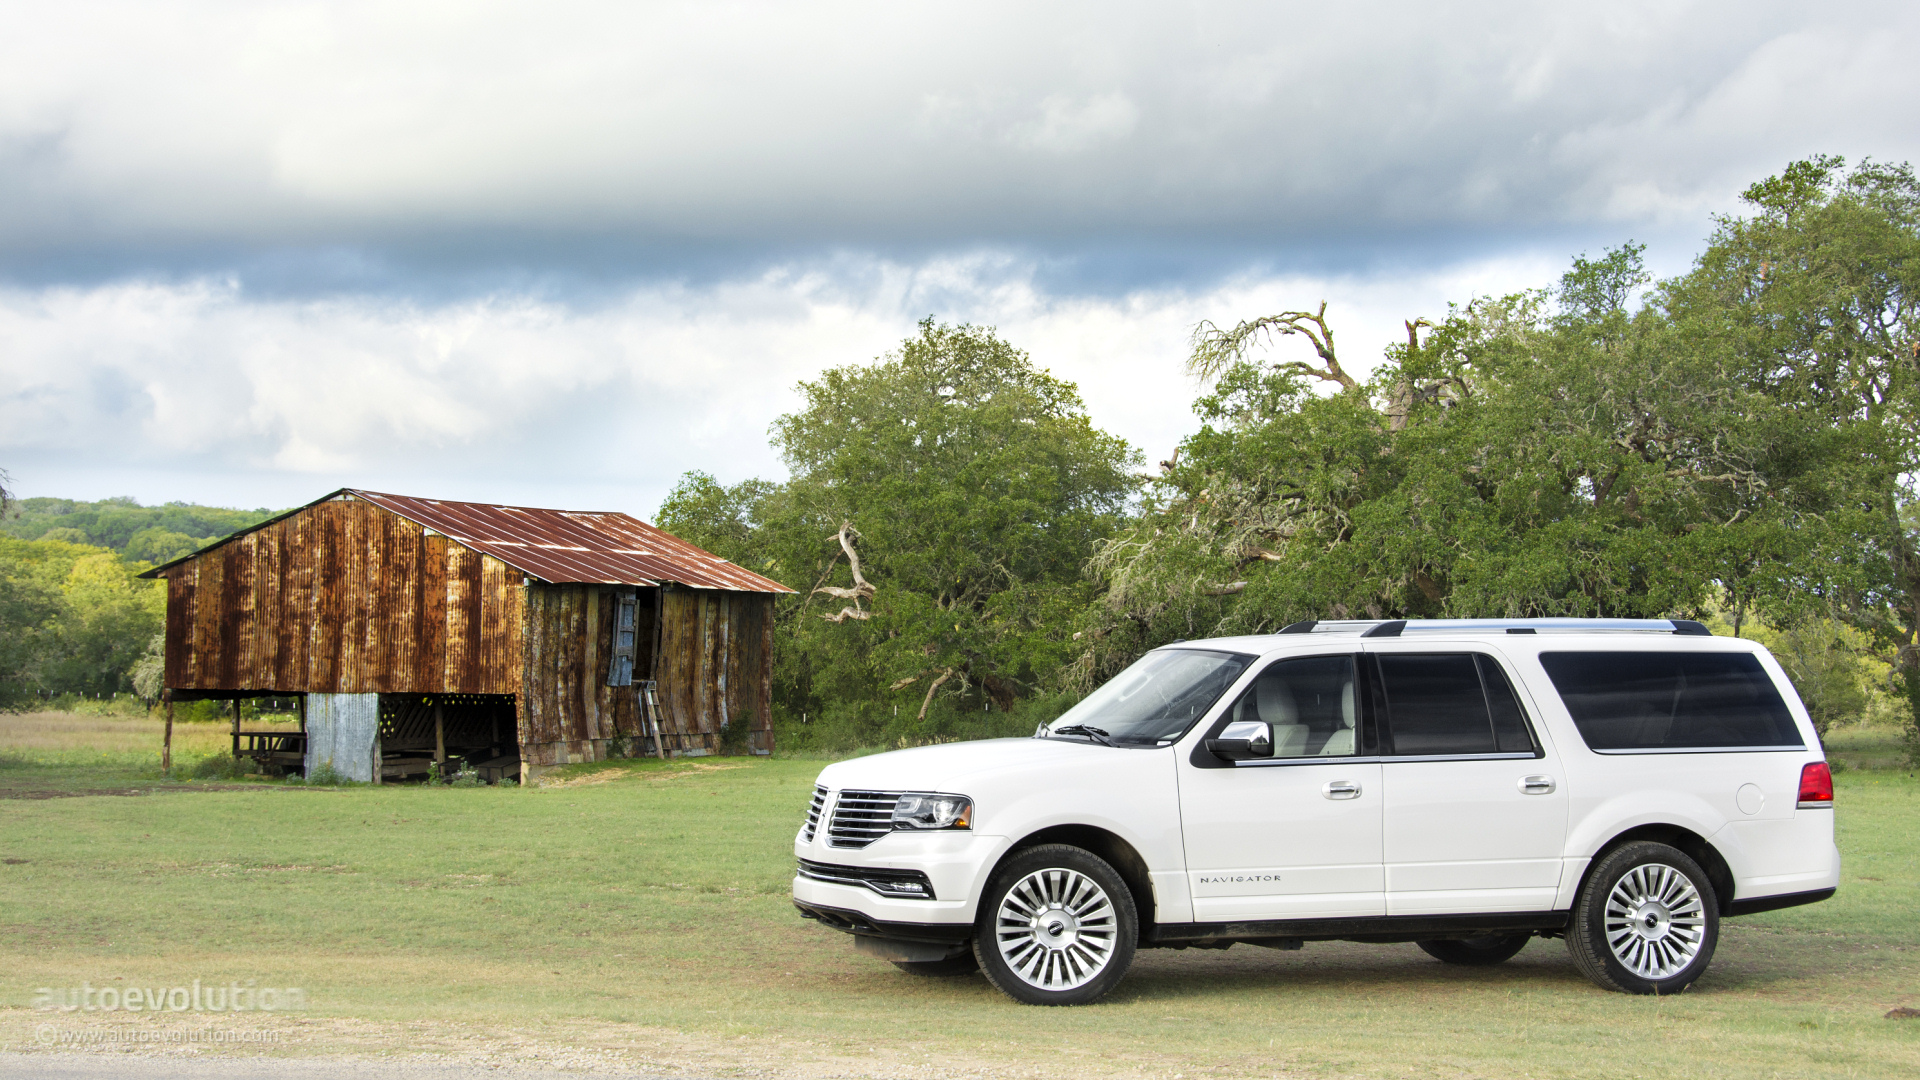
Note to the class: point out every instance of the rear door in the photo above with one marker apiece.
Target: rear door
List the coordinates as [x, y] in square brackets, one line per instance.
[1295, 834]
[1475, 808]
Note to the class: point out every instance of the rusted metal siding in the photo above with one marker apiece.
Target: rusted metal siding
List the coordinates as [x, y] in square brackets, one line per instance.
[343, 597]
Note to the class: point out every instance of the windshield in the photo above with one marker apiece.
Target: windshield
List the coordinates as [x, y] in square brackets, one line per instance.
[1154, 701]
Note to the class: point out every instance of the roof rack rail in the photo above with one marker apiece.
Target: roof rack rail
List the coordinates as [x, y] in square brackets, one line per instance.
[1405, 627]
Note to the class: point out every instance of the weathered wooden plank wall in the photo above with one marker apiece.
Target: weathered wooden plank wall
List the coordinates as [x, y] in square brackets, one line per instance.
[568, 712]
[715, 664]
[345, 598]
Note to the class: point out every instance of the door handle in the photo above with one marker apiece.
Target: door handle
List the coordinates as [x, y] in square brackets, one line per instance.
[1341, 789]
[1536, 785]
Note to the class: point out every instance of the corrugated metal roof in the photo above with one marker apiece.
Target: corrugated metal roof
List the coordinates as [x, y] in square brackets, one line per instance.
[560, 546]
[575, 545]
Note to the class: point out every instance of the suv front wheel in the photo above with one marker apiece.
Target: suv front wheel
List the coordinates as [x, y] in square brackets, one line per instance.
[1057, 926]
[1646, 921]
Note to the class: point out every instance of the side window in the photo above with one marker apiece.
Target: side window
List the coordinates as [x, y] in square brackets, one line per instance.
[1435, 704]
[1510, 729]
[1671, 700]
[1310, 706]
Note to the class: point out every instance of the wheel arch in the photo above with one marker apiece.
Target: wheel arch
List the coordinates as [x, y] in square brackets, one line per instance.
[1118, 853]
[1692, 843]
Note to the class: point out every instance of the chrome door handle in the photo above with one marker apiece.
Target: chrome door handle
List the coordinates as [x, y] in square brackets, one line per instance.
[1536, 785]
[1341, 789]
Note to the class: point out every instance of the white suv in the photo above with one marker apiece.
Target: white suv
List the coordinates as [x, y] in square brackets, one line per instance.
[1463, 784]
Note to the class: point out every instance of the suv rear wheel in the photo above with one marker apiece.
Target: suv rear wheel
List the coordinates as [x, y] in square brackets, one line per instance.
[1057, 926]
[1646, 921]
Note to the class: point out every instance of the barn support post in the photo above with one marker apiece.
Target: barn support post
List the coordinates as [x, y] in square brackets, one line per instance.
[236, 728]
[439, 739]
[166, 742]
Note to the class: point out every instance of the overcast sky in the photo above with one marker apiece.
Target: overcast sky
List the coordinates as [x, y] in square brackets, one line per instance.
[560, 253]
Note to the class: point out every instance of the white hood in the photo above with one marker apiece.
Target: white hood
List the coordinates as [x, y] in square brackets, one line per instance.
[952, 767]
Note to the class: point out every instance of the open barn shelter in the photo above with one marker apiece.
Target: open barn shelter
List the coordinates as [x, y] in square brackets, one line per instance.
[421, 632]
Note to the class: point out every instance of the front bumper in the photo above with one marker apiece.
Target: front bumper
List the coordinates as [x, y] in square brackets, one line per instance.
[861, 890]
[860, 924]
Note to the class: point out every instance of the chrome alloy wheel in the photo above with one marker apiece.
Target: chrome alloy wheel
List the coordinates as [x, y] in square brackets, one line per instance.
[1055, 929]
[1655, 922]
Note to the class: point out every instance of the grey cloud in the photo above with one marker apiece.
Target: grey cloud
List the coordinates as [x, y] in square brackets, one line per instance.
[198, 390]
[541, 134]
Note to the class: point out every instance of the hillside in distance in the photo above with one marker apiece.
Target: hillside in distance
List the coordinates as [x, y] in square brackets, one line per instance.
[152, 534]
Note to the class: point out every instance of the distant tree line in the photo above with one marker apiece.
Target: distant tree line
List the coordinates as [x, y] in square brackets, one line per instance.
[153, 534]
[74, 618]
[1738, 443]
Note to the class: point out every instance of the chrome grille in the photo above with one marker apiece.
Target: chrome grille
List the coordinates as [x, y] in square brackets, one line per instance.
[813, 815]
[861, 817]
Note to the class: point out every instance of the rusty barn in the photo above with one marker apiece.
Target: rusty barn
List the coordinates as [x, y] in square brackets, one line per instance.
[511, 639]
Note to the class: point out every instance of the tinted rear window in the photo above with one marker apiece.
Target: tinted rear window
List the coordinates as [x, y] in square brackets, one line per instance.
[1670, 701]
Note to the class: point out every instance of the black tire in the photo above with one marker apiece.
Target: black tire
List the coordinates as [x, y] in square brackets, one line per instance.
[1057, 926]
[1645, 922]
[964, 964]
[1484, 951]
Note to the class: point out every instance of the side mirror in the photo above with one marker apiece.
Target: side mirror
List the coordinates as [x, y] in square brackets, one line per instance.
[1243, 740]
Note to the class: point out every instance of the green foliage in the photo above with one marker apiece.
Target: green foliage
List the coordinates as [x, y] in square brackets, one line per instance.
[73, 619]
[973, 484]
[152, 534]
[1814, 302]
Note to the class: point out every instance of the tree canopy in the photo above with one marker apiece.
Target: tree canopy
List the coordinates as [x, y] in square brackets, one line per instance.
[966, 485]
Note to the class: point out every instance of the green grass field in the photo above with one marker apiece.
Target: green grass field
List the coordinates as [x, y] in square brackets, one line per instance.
[638, 916]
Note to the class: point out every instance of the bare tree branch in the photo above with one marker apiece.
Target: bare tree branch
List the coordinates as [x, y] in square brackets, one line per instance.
[862, 588]
[1215, 350]
[945, 674]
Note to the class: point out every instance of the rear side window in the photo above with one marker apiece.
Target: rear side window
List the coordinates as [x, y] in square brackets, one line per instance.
[1671, 700]
[1451, 703]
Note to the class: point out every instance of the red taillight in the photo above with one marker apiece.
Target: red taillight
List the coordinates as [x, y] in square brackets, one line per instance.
[1816, 785]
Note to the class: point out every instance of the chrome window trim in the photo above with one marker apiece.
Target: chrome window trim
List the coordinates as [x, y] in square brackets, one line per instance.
[1630, 751]
[1269, 763]
[1509, 755]
[1384, 759]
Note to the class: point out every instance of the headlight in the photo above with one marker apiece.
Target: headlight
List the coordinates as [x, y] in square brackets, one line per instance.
[933, 812]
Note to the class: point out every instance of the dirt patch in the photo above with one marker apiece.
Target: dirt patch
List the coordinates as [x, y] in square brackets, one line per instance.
[591, 1047]
[616, 772]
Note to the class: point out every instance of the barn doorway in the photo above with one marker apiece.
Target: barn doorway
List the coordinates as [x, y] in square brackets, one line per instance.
[424, 735]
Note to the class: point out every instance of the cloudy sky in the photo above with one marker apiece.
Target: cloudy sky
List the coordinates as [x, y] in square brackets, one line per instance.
[560, 253]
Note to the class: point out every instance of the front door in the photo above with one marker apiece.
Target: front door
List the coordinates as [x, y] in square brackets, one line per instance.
[1475, 802]
[1294, 833]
